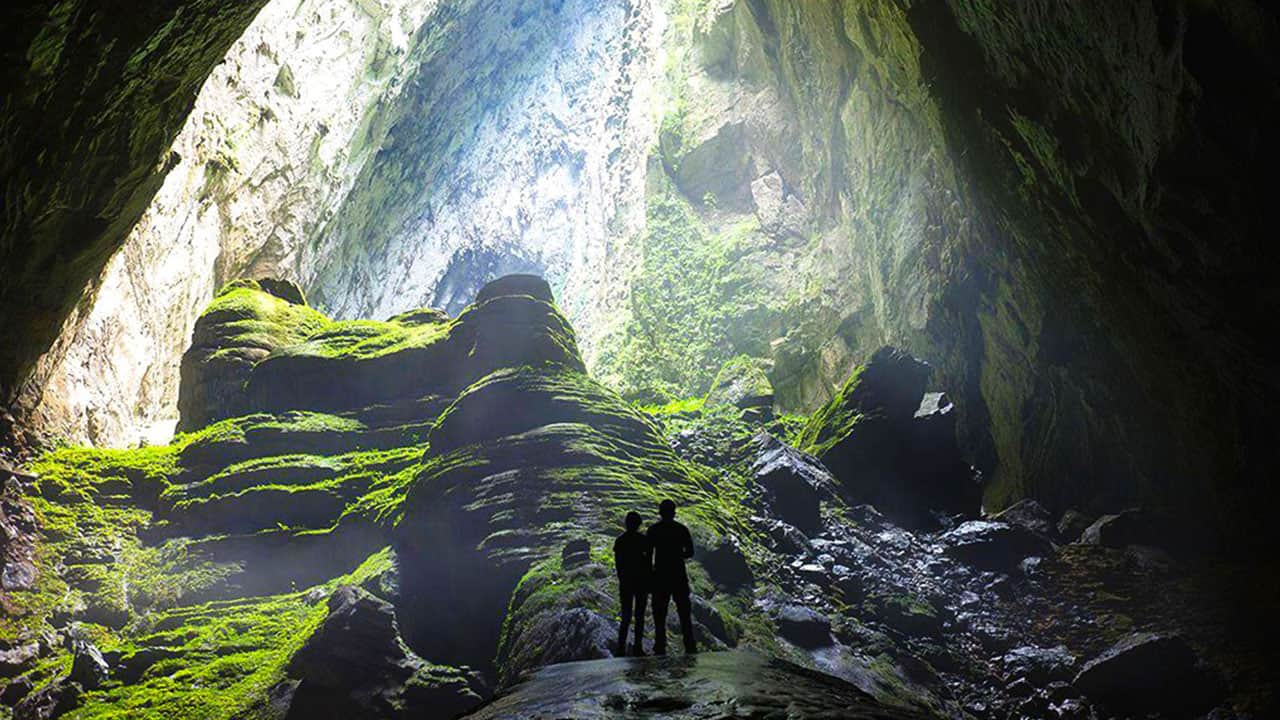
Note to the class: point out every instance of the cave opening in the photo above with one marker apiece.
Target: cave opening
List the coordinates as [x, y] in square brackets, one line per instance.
[346, 334]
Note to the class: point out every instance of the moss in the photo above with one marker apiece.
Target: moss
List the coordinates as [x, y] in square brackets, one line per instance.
[247, 317]
[832, 422]
[675, 407]
[367, 339]
[693, 306]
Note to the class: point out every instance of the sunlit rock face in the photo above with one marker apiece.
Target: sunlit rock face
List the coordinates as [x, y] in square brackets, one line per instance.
[277, 135]
[520, 147]
[387, 156]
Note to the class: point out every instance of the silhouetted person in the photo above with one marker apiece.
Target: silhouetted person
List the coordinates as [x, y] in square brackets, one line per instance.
[633, 557]
[672, 545]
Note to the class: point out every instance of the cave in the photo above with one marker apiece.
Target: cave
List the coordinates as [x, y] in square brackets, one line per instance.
[344, 334]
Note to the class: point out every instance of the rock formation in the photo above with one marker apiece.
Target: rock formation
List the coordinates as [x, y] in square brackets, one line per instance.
[386, 518]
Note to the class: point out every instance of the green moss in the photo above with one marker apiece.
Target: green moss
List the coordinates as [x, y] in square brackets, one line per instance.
[247, 317]
[832, 422]
[367, 339]
[693, 306]
[675, 407]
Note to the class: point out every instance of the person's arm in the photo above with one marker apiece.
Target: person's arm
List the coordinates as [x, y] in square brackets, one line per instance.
[617, 559]
[687, 550]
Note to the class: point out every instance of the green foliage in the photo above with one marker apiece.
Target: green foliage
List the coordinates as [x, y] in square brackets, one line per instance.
[675, 407]
[692, 305]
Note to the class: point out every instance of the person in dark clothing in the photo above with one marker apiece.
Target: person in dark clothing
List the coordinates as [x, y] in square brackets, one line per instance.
[633, 557]
[672, 545]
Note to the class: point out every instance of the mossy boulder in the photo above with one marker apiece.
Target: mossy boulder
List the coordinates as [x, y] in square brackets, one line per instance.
[258, 348]
[243, 325]
[527, 460]
[889, 446]
[742, 383]
[355, 664]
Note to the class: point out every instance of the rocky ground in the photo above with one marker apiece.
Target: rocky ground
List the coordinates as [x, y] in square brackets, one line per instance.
[410, 518]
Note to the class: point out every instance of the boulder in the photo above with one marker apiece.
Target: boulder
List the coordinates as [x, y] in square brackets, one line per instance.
[804, 627]
[56, 698]
[1039, 665]
[891, 445]
[88, 668]
[780, 212]
[742, 383]
[1072, 525]
[18, 659]
[726, 565]
[16, 689]
[1130, 527]
[1029, 514]
[1147, 673]
[356, 664]
[794, 483]
[992, 545]
[907, 614]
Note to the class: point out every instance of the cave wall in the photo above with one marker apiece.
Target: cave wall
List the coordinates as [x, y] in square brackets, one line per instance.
[1059, 205]
[276, 137]
[94, 94]
[1121, 150]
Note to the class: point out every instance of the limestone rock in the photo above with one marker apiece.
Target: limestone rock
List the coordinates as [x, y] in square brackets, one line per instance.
[1072, 525]
[1039, 665]
[891, 446]
[742, 383]
[356, 664]
[88, 669]
[993, 545]
[795, 483]
[1130, 527]
[1029, 514]
[243, 325]
[729, 683]
[1151, 673]
[780, 212]
[803, 626]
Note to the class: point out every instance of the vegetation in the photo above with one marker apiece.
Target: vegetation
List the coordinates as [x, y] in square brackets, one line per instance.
[692, 306]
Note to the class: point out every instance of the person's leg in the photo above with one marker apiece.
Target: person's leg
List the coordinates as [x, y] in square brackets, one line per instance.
[627, 598]
[660, 600]
[684, 610]
[638, 647]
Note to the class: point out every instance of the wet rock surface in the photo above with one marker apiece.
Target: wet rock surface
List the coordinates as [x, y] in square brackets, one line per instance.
[737, 684]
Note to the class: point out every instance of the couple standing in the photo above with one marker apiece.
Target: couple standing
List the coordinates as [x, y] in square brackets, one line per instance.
[653, 562]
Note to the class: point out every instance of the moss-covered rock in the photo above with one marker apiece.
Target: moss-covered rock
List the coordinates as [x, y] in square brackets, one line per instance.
[243, 325]
[888, 448]
[742, 383]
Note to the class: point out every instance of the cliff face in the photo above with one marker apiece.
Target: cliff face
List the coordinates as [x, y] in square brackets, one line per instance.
[1060, 207]
[278, 134]
[93, 98]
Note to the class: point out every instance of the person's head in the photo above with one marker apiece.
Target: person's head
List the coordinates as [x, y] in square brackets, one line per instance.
[633, 520]
[666, 509]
